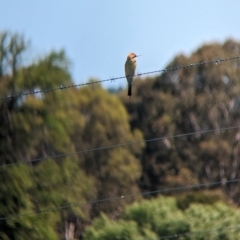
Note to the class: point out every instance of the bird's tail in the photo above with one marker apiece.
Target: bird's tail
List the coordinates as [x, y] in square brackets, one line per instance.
[130, 90]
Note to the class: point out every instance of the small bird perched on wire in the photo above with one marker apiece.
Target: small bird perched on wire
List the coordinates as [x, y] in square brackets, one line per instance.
[130, 67]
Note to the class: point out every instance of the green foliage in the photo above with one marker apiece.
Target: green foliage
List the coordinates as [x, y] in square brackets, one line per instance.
[89, 120]
[203, 197]
[106, 229]
[116, 170]
[217, 217]
[12, 47]
[46, 124]
[48, 72]
[159, 215]
[185, 101]
[36, 127]
[160, 218]
[16, 182]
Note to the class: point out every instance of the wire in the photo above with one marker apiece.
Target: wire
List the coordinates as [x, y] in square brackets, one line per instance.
[217, 61]
[119, 145]
[121, 197]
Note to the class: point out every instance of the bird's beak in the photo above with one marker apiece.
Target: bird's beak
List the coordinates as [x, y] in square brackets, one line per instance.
[137, 55]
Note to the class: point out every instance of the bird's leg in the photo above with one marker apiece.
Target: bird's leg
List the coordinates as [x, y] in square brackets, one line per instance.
[130, 101]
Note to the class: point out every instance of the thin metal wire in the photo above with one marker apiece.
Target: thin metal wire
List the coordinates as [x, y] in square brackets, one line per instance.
[119, 145]
[217, 61]
[198, 186]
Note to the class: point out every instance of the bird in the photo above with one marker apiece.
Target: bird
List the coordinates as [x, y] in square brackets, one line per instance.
[130, 67]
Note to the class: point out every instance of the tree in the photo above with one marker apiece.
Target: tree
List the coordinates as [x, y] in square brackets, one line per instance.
[105, 229]
[160, 218]
[190, 100]
[116, 170]
[16, 181]
[38, 126]
[48, 124]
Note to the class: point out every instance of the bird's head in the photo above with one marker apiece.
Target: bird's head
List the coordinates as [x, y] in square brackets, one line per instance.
[132, 57]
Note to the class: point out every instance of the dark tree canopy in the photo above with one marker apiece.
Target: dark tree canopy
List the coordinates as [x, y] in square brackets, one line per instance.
[190, 100]
[79, 123]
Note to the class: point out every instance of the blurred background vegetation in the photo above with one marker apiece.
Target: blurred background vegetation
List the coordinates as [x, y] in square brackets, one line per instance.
[76, 119]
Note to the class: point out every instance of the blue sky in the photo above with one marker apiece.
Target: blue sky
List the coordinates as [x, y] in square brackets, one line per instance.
[98, 35]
